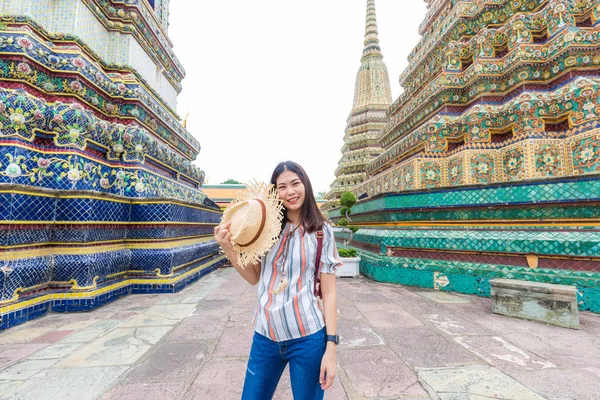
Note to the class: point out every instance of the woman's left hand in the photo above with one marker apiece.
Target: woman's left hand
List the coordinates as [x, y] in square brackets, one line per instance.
[328, 364]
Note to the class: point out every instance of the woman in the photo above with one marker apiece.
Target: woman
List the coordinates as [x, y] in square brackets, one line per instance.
[289, 322]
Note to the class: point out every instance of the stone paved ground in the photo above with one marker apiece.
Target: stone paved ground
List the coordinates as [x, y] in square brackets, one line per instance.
[397, 343]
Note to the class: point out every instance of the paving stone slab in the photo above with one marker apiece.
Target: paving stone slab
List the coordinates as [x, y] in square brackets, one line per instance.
[72, 383]
[122, 346]
[356, 333]
[502, 354]
[221, 380]
[195, 328]
[84, 336]
[9, 386]
[147, 320]
[55, 351]
[235, 342]
[376, 372]
[475, 382]
[241, 316]
[145, 391]
[25, 369]
[214, 308]
[453, 325]
[420, 347]
[386, 319]
[123, 315]
[23, 334]
[560, 384]
[169, 362]
[11, 353]
[174, 311]
[54, 336]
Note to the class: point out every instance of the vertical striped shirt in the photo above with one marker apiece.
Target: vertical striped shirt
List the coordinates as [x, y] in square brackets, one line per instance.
[294, 312]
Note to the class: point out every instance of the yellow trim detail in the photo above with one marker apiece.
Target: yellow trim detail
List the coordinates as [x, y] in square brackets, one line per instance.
[86, 249]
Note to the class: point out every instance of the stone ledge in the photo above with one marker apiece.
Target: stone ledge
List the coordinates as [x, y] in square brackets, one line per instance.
[543, 302]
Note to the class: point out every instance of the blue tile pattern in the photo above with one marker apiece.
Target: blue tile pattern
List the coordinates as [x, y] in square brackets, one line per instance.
[193, 272]
[98, 194]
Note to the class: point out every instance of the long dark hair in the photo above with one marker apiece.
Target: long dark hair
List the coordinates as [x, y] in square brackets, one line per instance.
[311, 218]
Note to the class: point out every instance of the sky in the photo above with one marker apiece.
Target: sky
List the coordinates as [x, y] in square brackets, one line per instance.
[273, 80]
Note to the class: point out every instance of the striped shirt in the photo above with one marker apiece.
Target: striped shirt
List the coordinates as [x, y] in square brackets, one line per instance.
[295, 311]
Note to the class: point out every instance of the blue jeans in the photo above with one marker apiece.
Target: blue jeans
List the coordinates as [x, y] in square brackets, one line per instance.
[268, 360]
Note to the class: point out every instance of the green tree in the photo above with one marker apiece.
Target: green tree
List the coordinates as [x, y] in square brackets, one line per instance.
[347, 201]
[230, 182]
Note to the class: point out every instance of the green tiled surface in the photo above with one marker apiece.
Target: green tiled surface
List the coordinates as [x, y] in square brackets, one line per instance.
[573, 242]
[499, 212]
[471, 278]
[527, 194]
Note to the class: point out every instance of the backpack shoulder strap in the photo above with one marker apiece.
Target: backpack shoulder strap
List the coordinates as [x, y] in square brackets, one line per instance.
[317, 289]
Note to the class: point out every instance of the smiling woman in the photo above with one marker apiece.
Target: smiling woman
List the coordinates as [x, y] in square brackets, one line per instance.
[292, 325]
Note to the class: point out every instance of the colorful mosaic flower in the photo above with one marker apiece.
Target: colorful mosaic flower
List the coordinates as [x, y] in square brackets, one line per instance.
[25, 43]
[18, 119]
[74, 134]
[13, 170]
[78, 62]
[76, 85]
[482, 168]
[49, 86]
[24, 68]
[53, 60]
[586, 155]
[74, 175]
[37, 114]
[43, 163]
[513, 162]
[547, 160]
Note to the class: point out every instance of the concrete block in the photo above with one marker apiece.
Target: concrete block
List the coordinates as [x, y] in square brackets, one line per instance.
[543, 302]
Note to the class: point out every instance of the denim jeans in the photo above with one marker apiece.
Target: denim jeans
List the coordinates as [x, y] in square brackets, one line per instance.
[268, 360]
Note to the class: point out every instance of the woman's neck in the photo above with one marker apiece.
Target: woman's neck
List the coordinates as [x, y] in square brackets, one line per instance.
[293, 217]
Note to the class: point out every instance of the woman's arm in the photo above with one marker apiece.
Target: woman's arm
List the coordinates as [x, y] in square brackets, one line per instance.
[251, 273]
[328, 364]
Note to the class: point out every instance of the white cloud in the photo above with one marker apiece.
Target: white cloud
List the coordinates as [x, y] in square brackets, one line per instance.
[273, 80]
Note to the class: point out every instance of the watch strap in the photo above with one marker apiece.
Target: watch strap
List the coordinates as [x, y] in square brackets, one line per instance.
[333, 338]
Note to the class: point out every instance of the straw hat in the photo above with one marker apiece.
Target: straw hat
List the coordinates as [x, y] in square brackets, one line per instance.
[255, 216]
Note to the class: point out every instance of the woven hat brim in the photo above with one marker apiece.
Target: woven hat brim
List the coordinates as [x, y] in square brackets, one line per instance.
[251, 254]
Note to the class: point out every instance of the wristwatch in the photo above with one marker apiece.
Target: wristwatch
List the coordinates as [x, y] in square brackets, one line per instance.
[333, 338]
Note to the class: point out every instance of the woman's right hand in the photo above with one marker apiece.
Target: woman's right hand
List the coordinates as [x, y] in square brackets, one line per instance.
[222, 236]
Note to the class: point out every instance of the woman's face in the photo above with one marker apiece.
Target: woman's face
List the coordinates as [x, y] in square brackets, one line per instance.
[290, 190]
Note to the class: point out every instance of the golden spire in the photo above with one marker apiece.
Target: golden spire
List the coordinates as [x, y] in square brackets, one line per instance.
[185, 120]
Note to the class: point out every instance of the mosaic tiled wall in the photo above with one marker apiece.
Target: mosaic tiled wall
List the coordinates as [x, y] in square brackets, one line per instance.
[491, 161]
[132, 41]
[98, 194]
